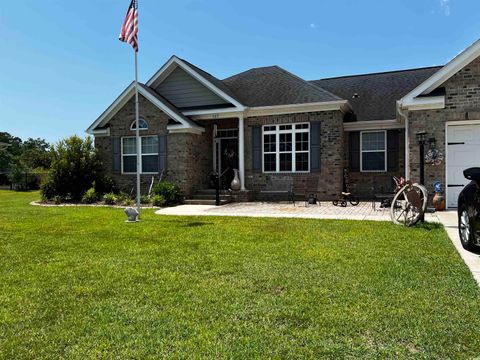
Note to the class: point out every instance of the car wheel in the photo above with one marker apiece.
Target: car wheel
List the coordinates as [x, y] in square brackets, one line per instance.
[465, 229]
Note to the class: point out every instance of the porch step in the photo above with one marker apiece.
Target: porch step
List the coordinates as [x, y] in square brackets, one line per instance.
[211, 192]
[198, 196]
[205, 202]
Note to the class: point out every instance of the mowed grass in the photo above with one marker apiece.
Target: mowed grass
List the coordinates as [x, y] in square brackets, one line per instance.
[81, 283]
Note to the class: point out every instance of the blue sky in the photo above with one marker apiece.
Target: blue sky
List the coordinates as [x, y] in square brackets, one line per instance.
[62, 65]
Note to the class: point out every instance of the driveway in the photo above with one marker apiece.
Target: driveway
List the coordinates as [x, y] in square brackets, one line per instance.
[450, 222]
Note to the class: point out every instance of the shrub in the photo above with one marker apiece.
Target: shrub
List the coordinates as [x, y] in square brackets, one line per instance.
[110, 199]
[144, 199]
[75, 167]
[128, 202]
[170, 192]
[157, 200]
[105, 185]
[57, 199]
[90, 196]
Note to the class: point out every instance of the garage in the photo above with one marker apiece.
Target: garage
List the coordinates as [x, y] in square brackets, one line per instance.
[463, 152]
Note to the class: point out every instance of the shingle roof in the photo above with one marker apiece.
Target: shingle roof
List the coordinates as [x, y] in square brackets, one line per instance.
[377, 93]
[168, 104]
[268, 86]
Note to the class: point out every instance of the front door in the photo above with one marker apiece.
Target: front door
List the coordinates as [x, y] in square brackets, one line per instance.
[463, 152]
[226, 159]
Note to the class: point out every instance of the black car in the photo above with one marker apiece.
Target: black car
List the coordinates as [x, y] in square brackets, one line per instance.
[469, 210]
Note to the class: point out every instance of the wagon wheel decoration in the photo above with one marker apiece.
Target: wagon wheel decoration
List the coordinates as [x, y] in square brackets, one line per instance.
[409, 205]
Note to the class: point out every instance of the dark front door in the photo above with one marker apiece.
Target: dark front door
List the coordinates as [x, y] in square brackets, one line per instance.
[227, 159]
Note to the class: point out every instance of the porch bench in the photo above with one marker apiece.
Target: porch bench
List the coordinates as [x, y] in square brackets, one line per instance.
[277, 190]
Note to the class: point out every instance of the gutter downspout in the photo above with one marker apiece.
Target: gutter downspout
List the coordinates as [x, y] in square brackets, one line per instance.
[407, 140]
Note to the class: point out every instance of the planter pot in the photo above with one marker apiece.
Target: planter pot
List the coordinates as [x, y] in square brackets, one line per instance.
[235, 185]
[439, 202]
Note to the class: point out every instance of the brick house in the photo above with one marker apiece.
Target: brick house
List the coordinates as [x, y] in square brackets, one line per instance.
[272, 126]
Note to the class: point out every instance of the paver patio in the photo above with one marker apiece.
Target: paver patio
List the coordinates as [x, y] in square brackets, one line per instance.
[326, 210]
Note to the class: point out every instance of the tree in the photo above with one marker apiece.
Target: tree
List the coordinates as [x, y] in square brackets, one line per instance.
[36, 153]
[9, 154]
[75, 168]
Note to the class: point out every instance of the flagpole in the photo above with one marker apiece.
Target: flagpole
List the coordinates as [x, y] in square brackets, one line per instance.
[137, 132]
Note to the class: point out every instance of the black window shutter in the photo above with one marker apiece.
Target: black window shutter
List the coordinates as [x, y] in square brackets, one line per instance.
[354, 151]
[393, 150]
[116, 155]
[315, 143]
[162, 153]
[257, 148]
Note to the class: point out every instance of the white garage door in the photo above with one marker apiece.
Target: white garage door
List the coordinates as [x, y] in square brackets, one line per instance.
[463, 152]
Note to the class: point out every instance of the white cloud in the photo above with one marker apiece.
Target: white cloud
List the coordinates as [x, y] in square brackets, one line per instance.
[445, 5]
[313, 26]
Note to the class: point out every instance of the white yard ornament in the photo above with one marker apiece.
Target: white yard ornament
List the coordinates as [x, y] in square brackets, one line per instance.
[132, 214]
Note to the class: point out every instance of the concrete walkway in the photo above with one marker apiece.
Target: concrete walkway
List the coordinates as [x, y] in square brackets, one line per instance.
[450, 222]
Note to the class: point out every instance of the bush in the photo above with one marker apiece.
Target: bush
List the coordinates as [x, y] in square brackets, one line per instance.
[144, 199]
[170, 192]
[105, 185]
[158, 200]
[90, 196]
[128, 202]
[75, 167]
[110, 199]
[57, 199]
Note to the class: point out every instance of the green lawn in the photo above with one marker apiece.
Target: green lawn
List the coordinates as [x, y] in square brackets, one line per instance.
[80, 283]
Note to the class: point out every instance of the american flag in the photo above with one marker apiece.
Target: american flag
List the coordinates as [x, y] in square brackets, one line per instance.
[129, 33]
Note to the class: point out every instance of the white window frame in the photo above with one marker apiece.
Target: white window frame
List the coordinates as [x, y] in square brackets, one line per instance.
[135, 155]
[277, 152]
[374, 151]
[133, 128]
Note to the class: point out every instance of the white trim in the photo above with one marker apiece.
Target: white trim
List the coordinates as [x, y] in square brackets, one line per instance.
[426, 103]
[445, 73]
[119, 102]
[132, 155]
[212, 111]
[342, 105]
[373, 125]
[101, 132]
[241, 151]
[140, 129]
[126, 95]
[462, 122]
[227, 113]
[385, 150]
[277, 152]
[174, 60]
[447, 124]
[181, 129]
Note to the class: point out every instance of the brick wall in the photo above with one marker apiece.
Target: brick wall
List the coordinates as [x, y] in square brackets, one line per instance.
[332, 154]
[462, 102]
[367, 184]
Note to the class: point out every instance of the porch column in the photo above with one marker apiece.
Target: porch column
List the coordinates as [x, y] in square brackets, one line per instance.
[241, 151]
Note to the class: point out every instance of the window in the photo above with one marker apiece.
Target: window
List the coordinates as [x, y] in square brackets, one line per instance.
[148, 158]
[143, 125]
[286, 148]
[373, 145]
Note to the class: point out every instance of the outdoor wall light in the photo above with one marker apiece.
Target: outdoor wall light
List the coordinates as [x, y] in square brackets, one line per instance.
[421, 137]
